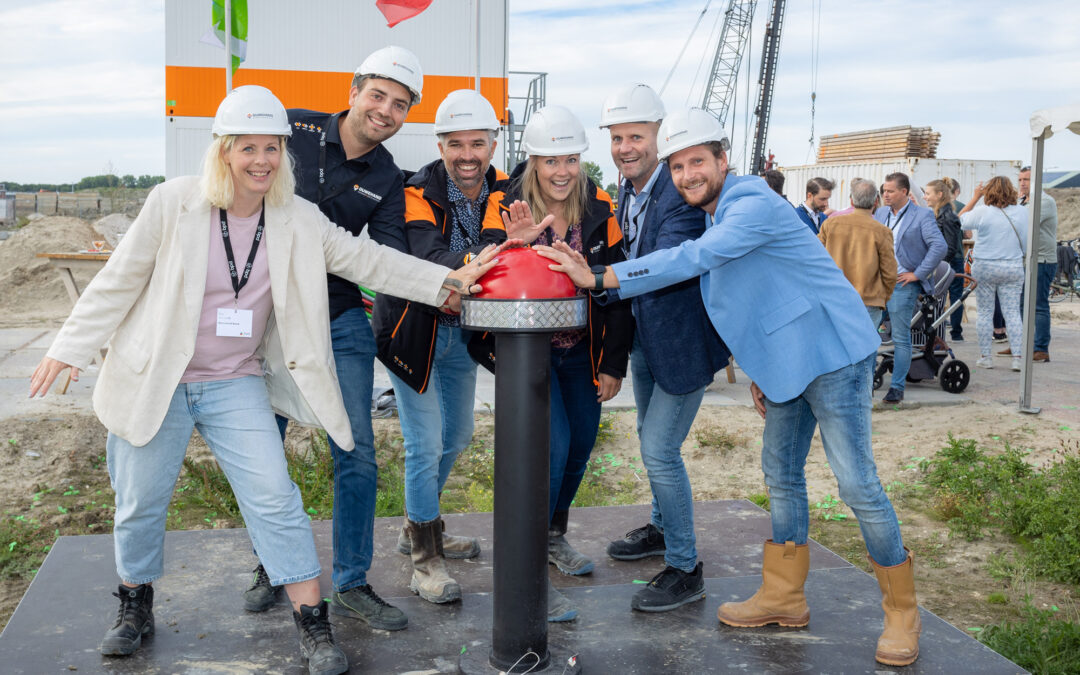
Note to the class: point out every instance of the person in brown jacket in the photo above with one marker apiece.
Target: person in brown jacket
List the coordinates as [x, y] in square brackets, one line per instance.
[863, 248]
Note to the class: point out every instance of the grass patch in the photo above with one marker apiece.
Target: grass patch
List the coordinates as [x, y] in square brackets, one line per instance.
[1041, 642]
[761, 499]
[1039, 506]
[715, 436]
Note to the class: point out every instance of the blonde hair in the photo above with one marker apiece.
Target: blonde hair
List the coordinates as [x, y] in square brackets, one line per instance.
[217, 182]
[944, 189]
[528, 186]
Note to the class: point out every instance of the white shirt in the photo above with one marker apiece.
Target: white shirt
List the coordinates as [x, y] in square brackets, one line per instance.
[637, 207]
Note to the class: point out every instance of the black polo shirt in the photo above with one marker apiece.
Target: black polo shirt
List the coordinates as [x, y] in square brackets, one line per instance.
[368, 190]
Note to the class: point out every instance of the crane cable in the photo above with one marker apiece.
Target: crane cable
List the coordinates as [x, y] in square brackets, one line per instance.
[687, 44]
[815, 51]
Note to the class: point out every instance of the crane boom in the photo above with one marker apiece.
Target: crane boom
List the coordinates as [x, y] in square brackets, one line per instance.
[720, 89]
[770, 51]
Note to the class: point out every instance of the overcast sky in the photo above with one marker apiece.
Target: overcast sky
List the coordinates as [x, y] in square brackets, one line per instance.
[81, 81]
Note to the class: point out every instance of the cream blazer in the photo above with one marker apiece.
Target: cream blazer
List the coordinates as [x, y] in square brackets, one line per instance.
[147, 300]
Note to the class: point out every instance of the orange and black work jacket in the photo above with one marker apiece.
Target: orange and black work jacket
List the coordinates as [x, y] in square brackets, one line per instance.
[405, 332]
[611, 325]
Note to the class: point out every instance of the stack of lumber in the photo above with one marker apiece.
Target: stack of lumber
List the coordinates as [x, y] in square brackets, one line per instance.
[891, 143]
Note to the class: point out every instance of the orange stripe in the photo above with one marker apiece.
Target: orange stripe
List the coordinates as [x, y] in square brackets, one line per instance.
[416, 207]
[192, 91]
[492, 219]
[394, 332]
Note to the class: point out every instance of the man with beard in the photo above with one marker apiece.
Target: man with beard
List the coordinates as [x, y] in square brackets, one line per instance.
[675, 354]
[451, 213]
[766, 286]
[341, 166]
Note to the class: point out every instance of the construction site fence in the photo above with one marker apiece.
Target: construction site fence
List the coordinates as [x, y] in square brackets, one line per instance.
[79, 204]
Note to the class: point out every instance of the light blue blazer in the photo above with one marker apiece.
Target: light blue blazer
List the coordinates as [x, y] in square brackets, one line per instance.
[919, 245]
[770, 288]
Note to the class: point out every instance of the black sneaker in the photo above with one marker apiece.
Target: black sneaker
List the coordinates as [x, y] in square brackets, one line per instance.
[261, 596]
[893, 396]
[670, 589]
[363, 603]
[317, 641]
[134, 620]
[638, 544]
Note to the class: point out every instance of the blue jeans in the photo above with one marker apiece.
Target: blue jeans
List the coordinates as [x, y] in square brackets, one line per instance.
[438, 424]
[663, 420]
[840, 402]
[1047, 271]
[355, 472]
[235, 419]
[575, 419]
[901, 307]
[956, 289]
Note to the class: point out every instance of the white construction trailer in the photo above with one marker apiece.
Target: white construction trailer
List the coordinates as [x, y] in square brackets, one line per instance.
[307, 52]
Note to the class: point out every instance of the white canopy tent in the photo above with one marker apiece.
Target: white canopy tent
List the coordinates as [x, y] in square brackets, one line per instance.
[1044, 124]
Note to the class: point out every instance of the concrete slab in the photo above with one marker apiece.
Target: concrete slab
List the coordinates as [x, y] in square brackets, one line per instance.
[201, 627]
[18, 338]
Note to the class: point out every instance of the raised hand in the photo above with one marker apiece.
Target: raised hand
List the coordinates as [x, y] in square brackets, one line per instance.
[519, 223]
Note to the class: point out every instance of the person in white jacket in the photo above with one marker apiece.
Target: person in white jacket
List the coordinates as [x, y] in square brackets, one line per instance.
[215, 310]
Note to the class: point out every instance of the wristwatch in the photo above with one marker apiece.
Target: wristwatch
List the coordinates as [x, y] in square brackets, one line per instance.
[598, 272]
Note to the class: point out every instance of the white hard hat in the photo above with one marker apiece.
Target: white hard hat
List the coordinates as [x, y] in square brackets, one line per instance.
[686, 128]
[251, 109]
[397, 64]
[465, 110]
[632, 103]
[553, 131]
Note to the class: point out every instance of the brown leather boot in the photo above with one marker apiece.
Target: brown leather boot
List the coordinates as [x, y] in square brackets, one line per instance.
[780, 599]
[899, 642]
[430, 580]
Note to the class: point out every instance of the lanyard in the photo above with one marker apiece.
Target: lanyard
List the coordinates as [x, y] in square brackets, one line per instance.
[899, 217]
[322, 153]
[238, 281]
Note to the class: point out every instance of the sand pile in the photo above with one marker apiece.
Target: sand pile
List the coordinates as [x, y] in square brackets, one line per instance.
[1068, 204]
[32, 289]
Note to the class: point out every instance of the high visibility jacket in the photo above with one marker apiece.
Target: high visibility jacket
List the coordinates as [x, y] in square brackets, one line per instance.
[405, 332]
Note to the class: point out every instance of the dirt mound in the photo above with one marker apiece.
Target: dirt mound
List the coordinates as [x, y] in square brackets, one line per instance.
[113, 227]
[1068, 204]
[32, 288]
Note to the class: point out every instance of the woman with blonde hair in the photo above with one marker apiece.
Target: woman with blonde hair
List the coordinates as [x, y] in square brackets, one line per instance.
[215, 309]
[552, 200]
[1000, 227]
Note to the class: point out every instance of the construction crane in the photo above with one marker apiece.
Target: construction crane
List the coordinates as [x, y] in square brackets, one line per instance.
[720, 88]
[770, 51]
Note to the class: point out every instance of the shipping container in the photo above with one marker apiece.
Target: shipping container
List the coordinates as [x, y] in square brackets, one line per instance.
[307, 52]
[968, 172]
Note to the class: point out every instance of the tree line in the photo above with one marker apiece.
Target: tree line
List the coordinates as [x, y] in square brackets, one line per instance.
[89, 183]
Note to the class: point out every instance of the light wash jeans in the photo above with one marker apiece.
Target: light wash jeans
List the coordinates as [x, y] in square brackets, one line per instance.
[438, 424]
[663, 421]
[1005, 279]
[235, 419]
[840, 403]
[901, 307]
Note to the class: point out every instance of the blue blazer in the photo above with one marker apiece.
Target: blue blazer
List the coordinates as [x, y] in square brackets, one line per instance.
[919, 244]
[771, 289]
[680, 344]
[805, 217]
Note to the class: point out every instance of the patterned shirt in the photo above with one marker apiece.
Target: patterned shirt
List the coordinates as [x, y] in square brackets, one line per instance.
[567, 338]
[465, 225]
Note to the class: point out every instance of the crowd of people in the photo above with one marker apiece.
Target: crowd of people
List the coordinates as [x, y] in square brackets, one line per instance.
[892, 249]
[693, 266]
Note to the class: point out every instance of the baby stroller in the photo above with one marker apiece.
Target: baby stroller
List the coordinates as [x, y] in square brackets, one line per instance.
[931, 356]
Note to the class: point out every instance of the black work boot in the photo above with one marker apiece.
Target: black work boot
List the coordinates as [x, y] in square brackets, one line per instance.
[134, 620]
[670, 589]
[261, 596]
[638, 544]
[317, 641]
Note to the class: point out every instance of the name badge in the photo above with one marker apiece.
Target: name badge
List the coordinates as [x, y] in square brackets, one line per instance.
[233, 322]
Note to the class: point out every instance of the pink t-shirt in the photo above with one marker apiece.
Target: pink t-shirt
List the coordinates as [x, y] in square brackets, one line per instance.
[226, 358]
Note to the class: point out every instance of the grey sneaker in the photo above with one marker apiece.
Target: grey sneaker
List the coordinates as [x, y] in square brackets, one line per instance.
[363, 603]
[454, 547]
[317, 641]
[564, 557]
[261, 596]
[559, 606]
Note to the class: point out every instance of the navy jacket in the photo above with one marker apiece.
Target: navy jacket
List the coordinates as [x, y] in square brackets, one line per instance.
[680, 344]
[805, 217]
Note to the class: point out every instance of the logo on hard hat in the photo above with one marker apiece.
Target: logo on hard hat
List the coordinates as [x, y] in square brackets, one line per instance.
[677, 133]
[402, 65]
[618, 107]
[260, 116]
[556, 139]
[462, 114]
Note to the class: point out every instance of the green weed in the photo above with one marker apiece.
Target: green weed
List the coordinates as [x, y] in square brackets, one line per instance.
[761, 499]
[1039, 642]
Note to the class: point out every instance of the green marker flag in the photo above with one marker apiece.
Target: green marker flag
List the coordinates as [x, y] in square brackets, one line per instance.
[216, 34]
